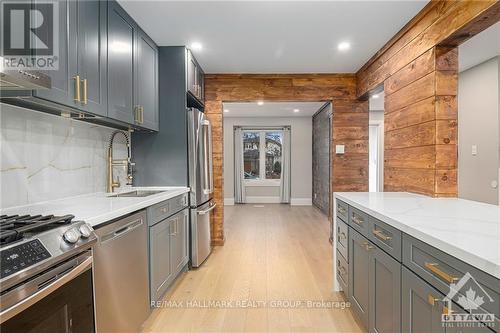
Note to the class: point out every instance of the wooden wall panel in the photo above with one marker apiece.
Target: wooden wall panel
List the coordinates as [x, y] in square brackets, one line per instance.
[418, 68]
[350, 122]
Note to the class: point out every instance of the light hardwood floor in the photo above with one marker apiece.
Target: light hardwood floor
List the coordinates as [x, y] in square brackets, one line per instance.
[275, 253]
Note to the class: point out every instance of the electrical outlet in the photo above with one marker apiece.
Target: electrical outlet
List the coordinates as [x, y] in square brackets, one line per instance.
[474, 150]
[339, 149]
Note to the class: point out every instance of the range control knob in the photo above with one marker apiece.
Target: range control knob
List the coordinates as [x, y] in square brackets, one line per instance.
[71, 236]
[86, 230]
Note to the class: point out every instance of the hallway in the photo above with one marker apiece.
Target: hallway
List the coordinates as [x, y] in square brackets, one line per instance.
[276, 255]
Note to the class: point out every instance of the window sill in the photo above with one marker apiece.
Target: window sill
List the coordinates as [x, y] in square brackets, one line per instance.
[266, 182]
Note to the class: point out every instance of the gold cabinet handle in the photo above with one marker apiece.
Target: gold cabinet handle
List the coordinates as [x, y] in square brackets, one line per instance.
[433, 267]
[341, 210]
[447, 311]
[85, 92]
[77, 88]
[357, 220]
[380, 235]
[432, 300]
[367, 246]
[136, 113]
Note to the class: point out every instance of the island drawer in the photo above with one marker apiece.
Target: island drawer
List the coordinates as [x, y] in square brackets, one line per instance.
[167, 208]
[342, 210]
[440, 270]
[342, 238]
[386, 237]
[359, 221]
[343, 273]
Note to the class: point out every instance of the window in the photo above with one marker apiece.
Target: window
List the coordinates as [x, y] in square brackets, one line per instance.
[262, 156]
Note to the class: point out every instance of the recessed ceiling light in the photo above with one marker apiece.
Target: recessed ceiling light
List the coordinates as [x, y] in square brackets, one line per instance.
[196, 46]
[344, 46]
[260, 103]
[296, 110]
[375, 96]
[226, 110]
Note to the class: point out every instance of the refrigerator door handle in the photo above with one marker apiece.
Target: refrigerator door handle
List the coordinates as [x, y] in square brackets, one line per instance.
[206, 161]
[210, 160]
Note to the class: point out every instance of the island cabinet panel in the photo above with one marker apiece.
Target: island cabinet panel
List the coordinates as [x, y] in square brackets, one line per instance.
[385, 293]
[421, 305]
[359, 276]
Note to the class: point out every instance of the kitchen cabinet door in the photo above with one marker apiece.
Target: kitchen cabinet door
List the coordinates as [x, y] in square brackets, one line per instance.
[179, 241]
[146, 82]
[121, 41]
[159, 256]
[92, 55]
[192, 74]
[359, 277]
[385, 293]
[64, 84]
[421, 305]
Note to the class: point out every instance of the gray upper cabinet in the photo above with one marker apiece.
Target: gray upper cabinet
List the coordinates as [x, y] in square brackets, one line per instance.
[92, 55]
[385, 293]
[146, 82]
[121, 41]
[421, 305]
[80, 81]
[195, 78]
[64, 84]
[359, 283]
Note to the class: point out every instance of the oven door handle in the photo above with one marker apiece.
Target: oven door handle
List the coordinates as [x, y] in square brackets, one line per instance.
[50, 288]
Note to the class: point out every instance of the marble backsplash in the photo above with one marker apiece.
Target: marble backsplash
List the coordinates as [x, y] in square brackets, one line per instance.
[46, 157]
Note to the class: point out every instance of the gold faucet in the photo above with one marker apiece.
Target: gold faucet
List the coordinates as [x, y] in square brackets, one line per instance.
[111, 184]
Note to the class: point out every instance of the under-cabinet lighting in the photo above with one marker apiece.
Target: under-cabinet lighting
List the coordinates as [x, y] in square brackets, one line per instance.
[296, 110]
[260, 103]
[375, 96]
[226, 110]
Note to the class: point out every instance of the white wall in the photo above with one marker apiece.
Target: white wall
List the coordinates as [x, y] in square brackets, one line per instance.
[46, 157]
[301, 156]
[479, 123]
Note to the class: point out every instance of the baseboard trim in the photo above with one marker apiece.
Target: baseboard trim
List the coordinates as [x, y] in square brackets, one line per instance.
[301, 201]
[228, 201]
[262, 200]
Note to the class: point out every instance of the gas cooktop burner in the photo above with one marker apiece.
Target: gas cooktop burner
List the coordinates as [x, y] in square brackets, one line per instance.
[16, 227]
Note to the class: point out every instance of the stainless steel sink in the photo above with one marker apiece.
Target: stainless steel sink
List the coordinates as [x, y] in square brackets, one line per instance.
[136, 193]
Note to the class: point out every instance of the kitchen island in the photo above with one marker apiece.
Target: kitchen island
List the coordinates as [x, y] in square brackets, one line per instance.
[402, 251]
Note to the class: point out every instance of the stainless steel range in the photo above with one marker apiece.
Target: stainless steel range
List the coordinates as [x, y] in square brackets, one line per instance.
[46, 274]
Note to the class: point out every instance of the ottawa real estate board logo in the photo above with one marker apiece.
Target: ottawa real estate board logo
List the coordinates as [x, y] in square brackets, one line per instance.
[466, 303]
[29, 37]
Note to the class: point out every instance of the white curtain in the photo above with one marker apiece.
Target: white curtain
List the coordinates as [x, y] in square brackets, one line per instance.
[239, 171]
[285, 167]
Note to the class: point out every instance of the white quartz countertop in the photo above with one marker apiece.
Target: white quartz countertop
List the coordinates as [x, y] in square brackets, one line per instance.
[467, 230]
[97, 208]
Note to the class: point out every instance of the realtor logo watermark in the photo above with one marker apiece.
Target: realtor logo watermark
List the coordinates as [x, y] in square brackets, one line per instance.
[29, 36]
[472, 298]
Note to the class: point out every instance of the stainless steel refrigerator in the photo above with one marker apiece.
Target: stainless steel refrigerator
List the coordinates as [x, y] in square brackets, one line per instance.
[201, 183]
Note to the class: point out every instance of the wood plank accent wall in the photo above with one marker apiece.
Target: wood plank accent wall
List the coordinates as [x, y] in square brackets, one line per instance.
[350, 122]
[418, 69]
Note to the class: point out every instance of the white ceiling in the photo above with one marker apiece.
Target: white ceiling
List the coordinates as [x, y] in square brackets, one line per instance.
[479, 48]
[275, 36]
[272, 109]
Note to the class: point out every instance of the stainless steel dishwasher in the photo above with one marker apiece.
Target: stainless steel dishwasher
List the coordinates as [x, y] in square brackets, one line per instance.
[121, 275]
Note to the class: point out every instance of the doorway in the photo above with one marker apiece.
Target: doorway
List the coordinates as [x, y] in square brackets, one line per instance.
[321, 168]
[376, 143]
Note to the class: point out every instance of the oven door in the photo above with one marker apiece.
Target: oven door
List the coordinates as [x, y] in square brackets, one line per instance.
[59, 300]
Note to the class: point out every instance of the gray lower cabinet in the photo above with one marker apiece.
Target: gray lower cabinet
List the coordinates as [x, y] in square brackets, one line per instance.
[359, 279]
[121, 41]
[168, 251]
[146, 82]
[374, 285]
[421, 305]
[385, 293]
